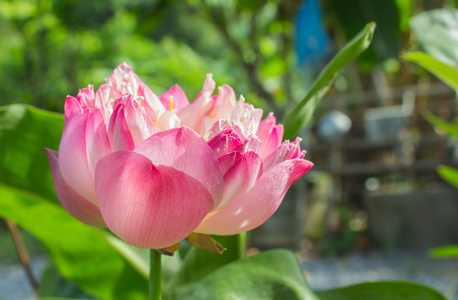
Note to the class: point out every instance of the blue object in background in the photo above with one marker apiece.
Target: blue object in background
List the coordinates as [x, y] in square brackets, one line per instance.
[312, 42]
[334, 125]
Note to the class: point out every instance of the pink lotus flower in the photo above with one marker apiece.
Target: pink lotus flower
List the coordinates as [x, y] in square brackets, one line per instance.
[155, 169]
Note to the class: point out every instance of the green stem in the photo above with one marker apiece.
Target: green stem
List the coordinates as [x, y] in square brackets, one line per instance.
[241, 241]
[155, 279]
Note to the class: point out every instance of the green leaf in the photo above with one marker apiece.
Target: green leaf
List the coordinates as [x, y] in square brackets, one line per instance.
[170, 266]
[59, 298]
[449, 128]
[387, 42]
[24, 133]
[387, 290]
[405, 8]
[444, 72]
[303, 112]
[139, 258]
[199, 263]
[445, 251]
[449, 174]
[270, 275]
[81, 252]
[54, 285]
[435, 30]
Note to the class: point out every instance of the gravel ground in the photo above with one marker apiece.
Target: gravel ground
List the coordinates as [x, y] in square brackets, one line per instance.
[13, 282]
[322, 273]
[440, 274]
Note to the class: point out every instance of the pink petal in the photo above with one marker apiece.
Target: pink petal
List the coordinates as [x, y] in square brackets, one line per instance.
[186, 151]
[125, 80]
[86, 97]
[227, 161]
[221, 125]
[225, 142]
[97, 143]
[78, 206]
[209, 84]
[265, 128]
[112, 121]
[225, 102]
[273, 141]
[73, 159]
[223, 105]
[139, 124]
[298, 153]
[72, 107]
[216, 129]
[288, 150]
[152, 105]
[104, 98]
[241, 177]
[251, 144]
[192, 115]
[149, 205]
[178, 97]
[246, 116]
[118, 130]
[256, 206]
[167, 120]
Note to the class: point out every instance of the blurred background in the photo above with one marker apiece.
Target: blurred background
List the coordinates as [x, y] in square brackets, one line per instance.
[374, 193]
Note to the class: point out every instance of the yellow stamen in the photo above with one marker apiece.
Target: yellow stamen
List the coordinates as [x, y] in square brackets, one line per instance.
[170, 102]
[213, 113]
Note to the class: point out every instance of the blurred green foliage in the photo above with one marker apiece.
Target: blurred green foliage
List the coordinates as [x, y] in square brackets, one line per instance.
[51, 48]
[435, 31]
[387, 14]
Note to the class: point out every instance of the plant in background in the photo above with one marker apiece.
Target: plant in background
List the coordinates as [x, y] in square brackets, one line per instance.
[116, 150]
[436, 34]
[448, 73]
